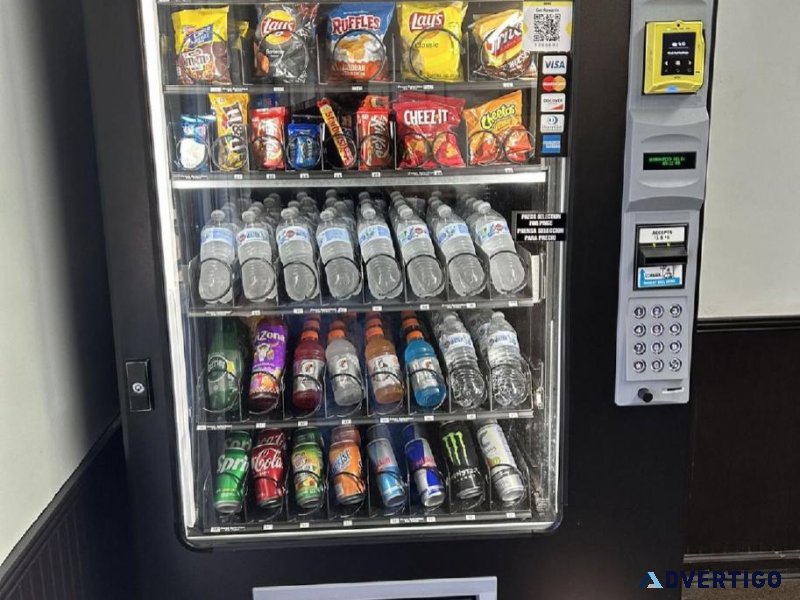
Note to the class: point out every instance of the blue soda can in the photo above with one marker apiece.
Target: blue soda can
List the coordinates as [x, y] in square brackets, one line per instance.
[427, 478]
[390, 480]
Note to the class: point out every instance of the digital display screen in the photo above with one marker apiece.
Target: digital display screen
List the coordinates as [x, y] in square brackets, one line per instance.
[669, 161]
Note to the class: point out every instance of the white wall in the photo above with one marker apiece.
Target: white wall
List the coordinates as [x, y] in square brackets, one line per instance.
[751, 240]
[57, 384]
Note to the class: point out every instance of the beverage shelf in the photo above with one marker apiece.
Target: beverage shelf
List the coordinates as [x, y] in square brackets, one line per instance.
[489, 174]
[255, 423]
[343, 524]
[344, 87]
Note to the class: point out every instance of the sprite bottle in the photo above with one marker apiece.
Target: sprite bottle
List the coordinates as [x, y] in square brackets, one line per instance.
[225, 366]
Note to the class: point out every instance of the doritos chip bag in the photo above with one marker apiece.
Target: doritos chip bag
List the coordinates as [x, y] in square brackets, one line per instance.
[426, 128]
[201, 46]
[431, 37]
[356, 44]
[495, 133]
[498, 38]
[229, 152]
[285, 41]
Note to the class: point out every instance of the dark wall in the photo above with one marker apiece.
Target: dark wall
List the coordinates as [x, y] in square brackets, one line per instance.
[745, 490]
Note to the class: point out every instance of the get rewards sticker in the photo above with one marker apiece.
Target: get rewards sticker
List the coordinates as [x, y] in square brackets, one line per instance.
[547, 26]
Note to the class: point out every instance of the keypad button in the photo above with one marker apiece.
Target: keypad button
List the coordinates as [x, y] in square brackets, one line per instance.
[639, 348]
[675, 364]
[675, 346]
[657, 365]
[639, 330]
[657, 347]
[658, 311]
[675, 310]
[657, 329]
[675, 328]
[639, 366]
[639, 312]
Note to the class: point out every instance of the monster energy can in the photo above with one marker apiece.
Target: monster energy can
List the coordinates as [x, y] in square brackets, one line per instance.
[466, 481]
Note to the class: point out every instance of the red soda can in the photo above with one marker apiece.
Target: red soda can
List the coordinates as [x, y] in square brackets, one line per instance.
[268, 466]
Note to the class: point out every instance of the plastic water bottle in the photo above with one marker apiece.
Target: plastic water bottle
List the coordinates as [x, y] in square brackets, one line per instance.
[255, 259]
[510, 386]
[384, 278]
[463, 266]
[296, 251]
[344, 367]
[478, 322]
[467, 384]
[217, 254]
[493, 236]
[336, 251]
[424, 272]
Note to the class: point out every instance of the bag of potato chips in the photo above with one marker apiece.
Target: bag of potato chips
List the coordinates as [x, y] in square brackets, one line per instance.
[498, 38]
[495, 133]
[431, 38]
[229, 151]
[284, 41]
[356, 33]
[201, 46]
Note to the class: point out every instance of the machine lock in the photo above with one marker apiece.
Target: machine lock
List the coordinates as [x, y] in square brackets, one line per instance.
[661, 257]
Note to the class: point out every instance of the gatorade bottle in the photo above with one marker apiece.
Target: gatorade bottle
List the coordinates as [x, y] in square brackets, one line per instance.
[307, 368]
[383, 365]
[343, 367]
[422, 365]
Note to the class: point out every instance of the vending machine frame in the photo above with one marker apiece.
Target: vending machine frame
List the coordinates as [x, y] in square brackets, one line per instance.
[624, 471]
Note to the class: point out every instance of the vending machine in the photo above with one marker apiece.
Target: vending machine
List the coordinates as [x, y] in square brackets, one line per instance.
[403, 290]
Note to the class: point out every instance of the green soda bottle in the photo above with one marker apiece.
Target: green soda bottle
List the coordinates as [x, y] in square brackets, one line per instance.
[225, 366]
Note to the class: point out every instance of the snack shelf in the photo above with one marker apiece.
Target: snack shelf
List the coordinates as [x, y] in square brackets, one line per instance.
[489, 174]
[255, 423]
[366, 87]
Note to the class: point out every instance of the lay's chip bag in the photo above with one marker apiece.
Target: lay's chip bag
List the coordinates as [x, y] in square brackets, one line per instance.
[431, 38]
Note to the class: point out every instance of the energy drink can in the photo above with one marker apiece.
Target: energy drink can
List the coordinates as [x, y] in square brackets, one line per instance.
[346, 467]
[502, 466]
[427, 477]
[391, 484]
[466, 481]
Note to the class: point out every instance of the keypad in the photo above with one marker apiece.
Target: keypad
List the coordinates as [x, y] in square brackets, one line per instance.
[657, 339]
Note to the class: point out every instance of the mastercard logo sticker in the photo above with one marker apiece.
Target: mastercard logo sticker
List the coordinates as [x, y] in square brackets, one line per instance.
[555, 83]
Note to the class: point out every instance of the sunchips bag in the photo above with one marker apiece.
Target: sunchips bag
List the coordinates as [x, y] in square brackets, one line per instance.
[495, 133]
[229, 151]
[356, 43]
[431, 38]
[201, 46]
[284, 41]
[498, 38]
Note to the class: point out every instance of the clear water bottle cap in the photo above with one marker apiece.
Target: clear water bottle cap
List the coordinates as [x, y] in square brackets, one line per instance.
[363, 196]
[444, 211]
[330, 193]
[326, 215]
[288, 213]
[218, 216]
[404, 212]
[248, 216]
[368, 212]
[484, 207]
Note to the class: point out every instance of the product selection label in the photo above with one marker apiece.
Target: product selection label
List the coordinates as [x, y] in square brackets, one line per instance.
[539, 227]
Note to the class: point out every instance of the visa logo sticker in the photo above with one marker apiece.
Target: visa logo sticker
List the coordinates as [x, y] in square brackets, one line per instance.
[659, 277]
[553, 103]
[554, 65]
[552, 124]
[551, 144]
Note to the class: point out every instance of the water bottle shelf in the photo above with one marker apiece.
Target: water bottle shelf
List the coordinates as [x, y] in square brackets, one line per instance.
[255, 423]
[488, 174]
[488, 298]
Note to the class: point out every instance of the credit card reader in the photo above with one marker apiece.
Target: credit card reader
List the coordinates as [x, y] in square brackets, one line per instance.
[664, 189]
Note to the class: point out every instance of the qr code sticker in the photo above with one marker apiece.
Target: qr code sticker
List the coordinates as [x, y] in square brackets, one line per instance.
[547, 26]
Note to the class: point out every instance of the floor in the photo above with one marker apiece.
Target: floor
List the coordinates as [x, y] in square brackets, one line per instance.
[789, 590]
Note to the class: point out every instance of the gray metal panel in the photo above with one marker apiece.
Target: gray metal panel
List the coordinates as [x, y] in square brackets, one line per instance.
[477, 588]
[668, 123]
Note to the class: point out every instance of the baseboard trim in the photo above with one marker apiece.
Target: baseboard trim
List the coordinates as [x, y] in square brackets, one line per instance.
[27, 548]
